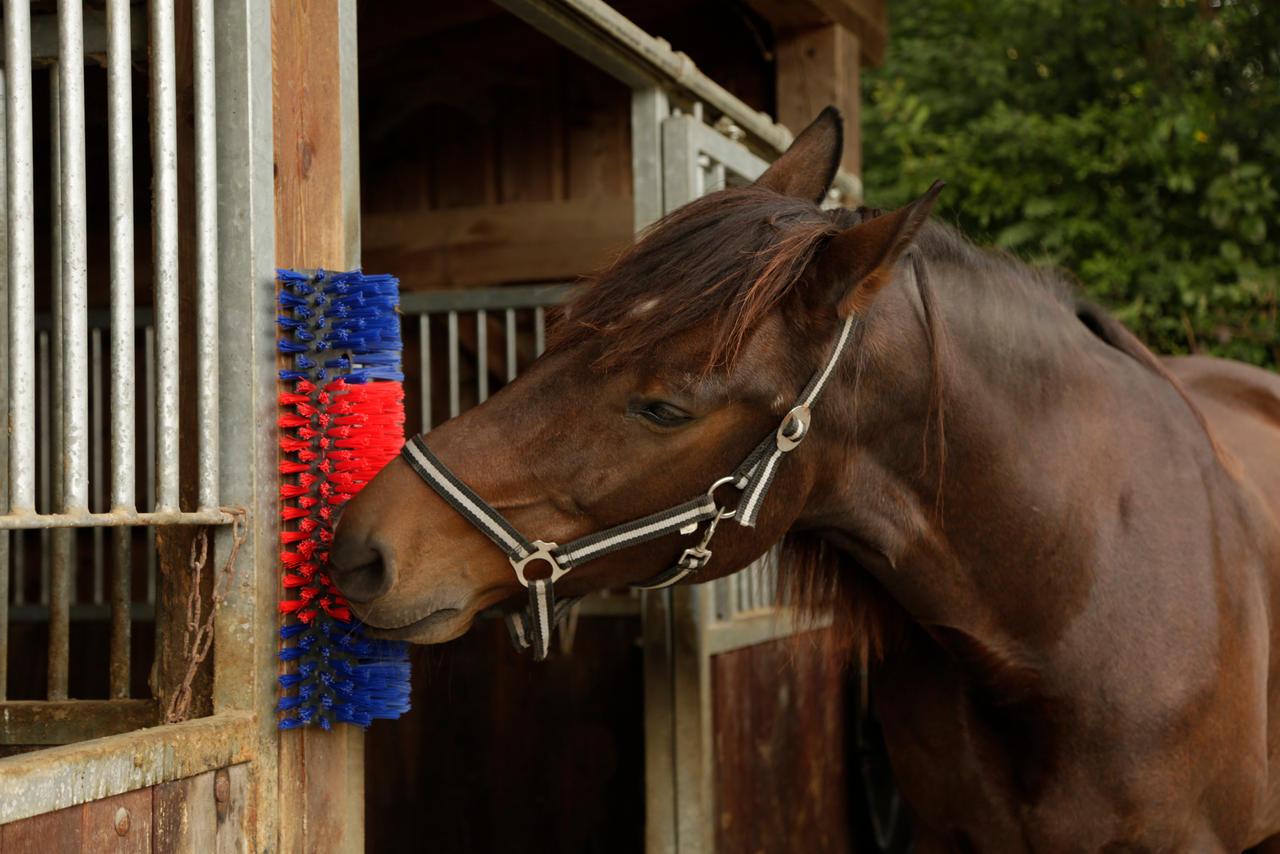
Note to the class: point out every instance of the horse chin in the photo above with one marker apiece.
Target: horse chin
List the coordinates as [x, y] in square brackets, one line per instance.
[438, 626]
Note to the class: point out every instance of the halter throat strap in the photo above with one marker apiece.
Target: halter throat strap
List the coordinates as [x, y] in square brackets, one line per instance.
[532, 628]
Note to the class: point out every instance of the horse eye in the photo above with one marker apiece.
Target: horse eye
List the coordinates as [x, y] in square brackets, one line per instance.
[663, 414]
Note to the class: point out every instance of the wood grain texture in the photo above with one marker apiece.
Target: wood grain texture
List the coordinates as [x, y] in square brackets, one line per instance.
[119, 825]
[819, 68]
[778, 719]
[316, 768]
[184, 816]
[492, 244]
[867, 20]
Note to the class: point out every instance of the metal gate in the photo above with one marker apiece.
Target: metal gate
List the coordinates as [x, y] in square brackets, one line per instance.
[80, 388]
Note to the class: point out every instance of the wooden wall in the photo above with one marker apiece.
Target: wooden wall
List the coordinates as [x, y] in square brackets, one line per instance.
[204, 813]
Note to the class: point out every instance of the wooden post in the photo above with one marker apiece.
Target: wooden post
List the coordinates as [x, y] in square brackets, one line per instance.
[321, 774]
[818, 67]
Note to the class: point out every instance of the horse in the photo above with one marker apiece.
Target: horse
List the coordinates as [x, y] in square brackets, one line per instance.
[1061, 553]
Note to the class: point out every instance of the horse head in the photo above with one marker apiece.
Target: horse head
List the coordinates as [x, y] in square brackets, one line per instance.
[665, 373]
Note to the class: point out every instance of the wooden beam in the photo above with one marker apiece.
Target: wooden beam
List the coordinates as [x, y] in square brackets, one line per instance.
[494, 244]
[868, 20]
[816, 68]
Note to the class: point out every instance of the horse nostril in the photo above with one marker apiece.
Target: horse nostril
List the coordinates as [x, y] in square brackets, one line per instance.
[358, 571]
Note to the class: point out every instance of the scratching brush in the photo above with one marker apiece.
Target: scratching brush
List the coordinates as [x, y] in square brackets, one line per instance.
[343, 421]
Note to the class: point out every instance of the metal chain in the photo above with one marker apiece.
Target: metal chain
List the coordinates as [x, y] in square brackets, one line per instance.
[198, 637]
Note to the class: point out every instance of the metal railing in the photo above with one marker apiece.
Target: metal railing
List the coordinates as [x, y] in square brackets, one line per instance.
[66, 376]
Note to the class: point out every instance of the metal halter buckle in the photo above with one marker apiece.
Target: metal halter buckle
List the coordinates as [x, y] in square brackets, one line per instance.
[542, 551]
[794, 427]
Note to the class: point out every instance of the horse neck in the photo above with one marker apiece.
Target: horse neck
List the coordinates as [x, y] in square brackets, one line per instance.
[976, 526]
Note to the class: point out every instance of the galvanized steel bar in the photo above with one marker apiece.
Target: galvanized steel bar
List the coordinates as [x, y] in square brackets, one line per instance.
[95, 458]
[44, 384]
[20, 227]
[149, 444]
[482, 356]
[424, 368]
[120, 219]
[4, 404]
[59, 600]
[74, 258]
[58, 523]
[206, 168]
[511, 343]
[539, 330]
[454, 402]
[164, 148]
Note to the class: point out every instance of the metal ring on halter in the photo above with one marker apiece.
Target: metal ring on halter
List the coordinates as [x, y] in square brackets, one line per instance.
[711, 493]
[542, 551]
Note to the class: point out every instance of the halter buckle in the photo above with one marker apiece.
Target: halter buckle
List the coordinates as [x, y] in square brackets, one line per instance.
[542, 551]
[793, 429]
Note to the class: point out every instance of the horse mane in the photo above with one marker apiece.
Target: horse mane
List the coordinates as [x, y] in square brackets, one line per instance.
[724, 262]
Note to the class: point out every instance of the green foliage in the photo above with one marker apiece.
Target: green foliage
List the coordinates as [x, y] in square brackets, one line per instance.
[1134, 143]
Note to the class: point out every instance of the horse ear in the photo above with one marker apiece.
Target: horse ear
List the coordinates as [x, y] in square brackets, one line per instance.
[807, 168]
[865, 255]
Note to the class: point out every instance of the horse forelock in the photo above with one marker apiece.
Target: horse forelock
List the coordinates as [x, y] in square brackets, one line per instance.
[721, 263]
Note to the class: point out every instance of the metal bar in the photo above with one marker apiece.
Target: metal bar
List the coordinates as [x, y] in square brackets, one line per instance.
[164, 148]
[4, 403]
[482, 356]
[121, 627]
[74, 259]
[84, 612]
[206, 253]
[123, 323]
[454, 404]
[424, 369]
[85, 519]
[95, 457]
[511, 342]
[60, 777]
[123, 316]
[649, 108]
[44, 384]
[44, 37]
[149, 444]
[539, 330]
[21, 254]
[59, 600]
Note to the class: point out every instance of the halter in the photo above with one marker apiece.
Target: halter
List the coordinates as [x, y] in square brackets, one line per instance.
[532, 627]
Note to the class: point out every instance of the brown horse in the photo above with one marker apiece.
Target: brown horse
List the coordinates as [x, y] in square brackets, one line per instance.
[1064, 552]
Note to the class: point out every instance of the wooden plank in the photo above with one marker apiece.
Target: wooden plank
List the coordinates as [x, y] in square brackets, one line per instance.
[54, 831]
[119, 825]
[184, 816]
[314, 228]
[43, 722]
[778, 716]
[817, 68]
[230, 794]
[868, 20]
[492, 244]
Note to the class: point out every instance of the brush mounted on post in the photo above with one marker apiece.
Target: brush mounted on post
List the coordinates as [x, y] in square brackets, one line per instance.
[341, 423]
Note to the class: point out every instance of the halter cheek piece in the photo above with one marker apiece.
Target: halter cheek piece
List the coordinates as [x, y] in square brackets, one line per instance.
[532, 627]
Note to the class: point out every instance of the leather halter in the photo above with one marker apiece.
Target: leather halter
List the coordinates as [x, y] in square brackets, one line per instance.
[533, 626]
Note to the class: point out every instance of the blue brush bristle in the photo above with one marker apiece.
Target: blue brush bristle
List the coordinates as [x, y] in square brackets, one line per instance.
[338, 675]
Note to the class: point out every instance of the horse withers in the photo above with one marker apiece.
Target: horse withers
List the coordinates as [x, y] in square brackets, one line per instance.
[1062, 553]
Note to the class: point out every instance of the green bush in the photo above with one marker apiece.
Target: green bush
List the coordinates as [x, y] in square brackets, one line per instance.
[1136, 144]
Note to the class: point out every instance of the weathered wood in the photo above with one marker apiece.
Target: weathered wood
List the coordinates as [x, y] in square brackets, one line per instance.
[868, 20]
[184, 815]
[492, 244]
[779, 748]
[817, 68]
[119, 825]
[45, 780]
[42, 722]
[55, 831]
[318, 771]
[230, 794]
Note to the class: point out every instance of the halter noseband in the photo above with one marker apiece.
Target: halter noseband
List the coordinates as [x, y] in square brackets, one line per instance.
[532, 627]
